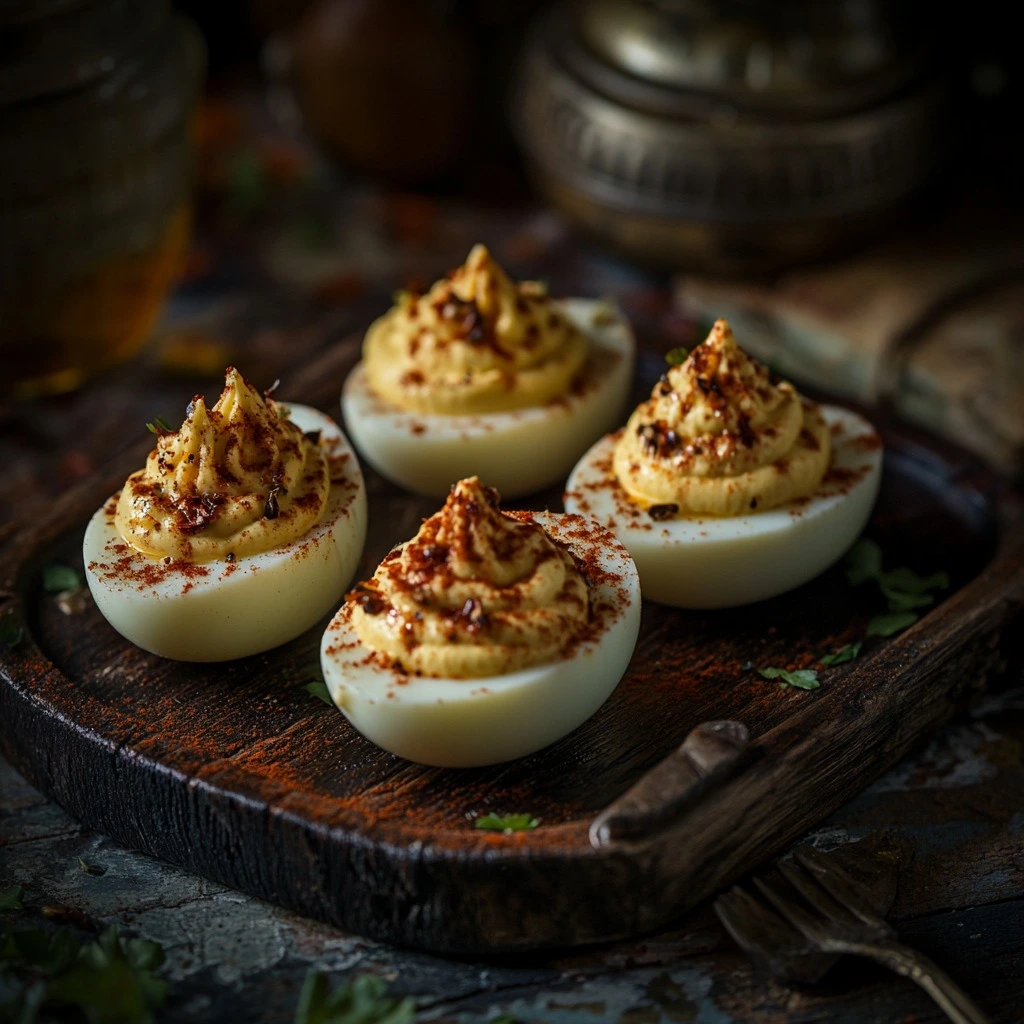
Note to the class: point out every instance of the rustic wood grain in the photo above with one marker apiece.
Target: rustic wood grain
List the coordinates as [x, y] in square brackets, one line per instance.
[235, 772]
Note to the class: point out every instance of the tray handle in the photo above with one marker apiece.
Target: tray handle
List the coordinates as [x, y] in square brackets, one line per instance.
[710, 754]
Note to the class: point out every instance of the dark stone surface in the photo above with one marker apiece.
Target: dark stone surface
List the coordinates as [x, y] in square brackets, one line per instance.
[955, 811]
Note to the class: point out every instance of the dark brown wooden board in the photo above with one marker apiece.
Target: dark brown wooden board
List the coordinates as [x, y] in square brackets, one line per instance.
[235, 772]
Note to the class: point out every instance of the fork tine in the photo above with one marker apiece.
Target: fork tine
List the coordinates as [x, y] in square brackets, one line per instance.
[736, 913]
[840, 885]
[755, 927]
[807, 923]
[770, 940]
[807, 885]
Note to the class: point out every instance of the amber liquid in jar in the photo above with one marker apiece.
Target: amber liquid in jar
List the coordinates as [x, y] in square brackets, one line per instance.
[94, 187]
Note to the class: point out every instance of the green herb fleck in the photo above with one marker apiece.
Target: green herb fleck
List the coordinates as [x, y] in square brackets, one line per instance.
[160, 426]
[507, 822]
[801, 678]
[676, 356]
[10, 634]
[11, 897]
[843, 655]
[364, 1000]
[315, 234]
[58, 578]
[891, 624]
[863, 561]
[902, 588]
[905, 589]
[248, 186]
[318, 688]
[91, 869]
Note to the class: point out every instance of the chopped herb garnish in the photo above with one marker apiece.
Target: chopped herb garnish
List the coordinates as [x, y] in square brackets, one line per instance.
[58, 578]
[248, 190]
[11, 897]
[863, 561]
[91, 869]
[843, 655]
[507, 822]
[905, 589]
[160, 426]
[318, 688]
[314, 233]
[363, 1000]
[902, 588]
[889, 625]
[10, 634]
[801, 678]
[676, 356]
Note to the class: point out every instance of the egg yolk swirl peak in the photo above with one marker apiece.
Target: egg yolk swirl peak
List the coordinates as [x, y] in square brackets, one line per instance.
[475, 343]
[717, 437]
[475, 593]
[237, 479]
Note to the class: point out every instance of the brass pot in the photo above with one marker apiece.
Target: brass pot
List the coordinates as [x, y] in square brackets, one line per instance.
[725, 137]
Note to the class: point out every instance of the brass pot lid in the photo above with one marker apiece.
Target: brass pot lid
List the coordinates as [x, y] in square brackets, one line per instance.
[791, 59]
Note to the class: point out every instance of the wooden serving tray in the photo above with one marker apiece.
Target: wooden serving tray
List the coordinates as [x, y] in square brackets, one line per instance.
[237, 773]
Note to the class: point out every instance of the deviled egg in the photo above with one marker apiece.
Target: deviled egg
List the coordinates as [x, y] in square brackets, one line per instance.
[487, 636]
[490, 376]
[243, 529]
[727, 486]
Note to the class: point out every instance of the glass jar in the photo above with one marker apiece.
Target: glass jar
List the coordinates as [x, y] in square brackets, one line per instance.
[96, 108]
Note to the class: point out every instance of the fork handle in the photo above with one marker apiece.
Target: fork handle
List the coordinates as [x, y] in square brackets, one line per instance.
[947, 994]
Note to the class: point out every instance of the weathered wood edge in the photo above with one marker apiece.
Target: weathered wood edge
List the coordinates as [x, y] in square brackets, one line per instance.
[438, 897]
[931, 668]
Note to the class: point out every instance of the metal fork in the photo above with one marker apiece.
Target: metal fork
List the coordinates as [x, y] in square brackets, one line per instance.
[825, 906]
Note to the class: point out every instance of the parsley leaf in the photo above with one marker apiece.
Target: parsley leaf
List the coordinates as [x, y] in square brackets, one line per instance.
[111, 980]
[864, 562]
[902, 588]
[889, 625]
[91, 869]
[801, 678]
[318, 688]
[159, 426]
[11, 634]
[507, 822]
[10, 898]
[57, 578]
[364, 1000]
[676, 356]
[843, 655]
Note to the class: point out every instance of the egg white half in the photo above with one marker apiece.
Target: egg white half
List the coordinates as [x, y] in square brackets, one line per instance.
[459, 723]
[518, 452]
[724, 562]
[223, 610]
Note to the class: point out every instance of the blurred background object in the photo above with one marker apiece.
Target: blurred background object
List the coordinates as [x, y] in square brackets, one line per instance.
[386, 86]
[737, 136]
[826, 172]
[96, 102]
